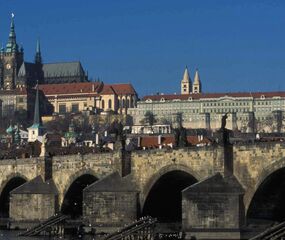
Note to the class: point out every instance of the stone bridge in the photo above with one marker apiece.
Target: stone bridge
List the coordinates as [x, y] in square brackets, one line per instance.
[156, 175]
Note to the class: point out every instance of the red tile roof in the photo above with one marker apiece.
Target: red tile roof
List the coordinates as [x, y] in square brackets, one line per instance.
[123, 88]
[195, 96]
[152, 141]
[107, 90]
[70, 88]
[87, 87]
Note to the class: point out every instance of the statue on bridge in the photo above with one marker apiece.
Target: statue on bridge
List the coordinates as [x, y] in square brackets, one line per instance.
[224, 121]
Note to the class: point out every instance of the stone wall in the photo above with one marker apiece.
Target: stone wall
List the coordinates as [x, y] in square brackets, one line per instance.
[148, 166]
[27, 168]
[110, 208]
[31, 207]
[66, 169]
[254, 162]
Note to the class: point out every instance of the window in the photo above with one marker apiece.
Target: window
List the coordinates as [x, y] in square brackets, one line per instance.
[127, 103]
[110, 104]
[103, 104]
[75, 108]
[21, 100]
[62, 108]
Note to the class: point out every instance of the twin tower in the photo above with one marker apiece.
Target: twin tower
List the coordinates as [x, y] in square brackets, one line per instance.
[186, 84]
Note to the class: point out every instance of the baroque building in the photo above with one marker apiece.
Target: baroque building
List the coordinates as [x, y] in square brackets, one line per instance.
[247, 111]
[94, 96]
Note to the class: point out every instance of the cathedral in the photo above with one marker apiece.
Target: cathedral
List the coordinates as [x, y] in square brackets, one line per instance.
[18, 77]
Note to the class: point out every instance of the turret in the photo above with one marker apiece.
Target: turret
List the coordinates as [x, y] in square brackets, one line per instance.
[185, 83]
[197, 86]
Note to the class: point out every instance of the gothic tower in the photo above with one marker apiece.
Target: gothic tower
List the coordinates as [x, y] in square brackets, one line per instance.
[197, 86]
[185, 83]
[11, 59]
[38, 64]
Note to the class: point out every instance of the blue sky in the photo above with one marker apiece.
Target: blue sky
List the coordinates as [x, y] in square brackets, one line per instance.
[237, 45]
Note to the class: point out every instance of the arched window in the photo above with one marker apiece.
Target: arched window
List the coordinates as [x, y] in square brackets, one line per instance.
[123, 103]
[128, 103]
[110, 104]
[103, 104]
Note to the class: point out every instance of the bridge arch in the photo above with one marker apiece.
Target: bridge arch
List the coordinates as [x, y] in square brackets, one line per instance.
[271, 168]
[11, 182]
[72, 197]
[266, 199]
[163, 191]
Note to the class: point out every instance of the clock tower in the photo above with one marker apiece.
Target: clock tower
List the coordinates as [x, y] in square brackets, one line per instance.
[11, 58]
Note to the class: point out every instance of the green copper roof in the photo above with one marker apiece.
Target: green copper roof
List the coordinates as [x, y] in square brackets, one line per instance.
[12, 45]
[10, 130]
[37, 117]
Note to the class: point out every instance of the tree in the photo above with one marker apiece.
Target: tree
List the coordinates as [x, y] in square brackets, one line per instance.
[149, 118]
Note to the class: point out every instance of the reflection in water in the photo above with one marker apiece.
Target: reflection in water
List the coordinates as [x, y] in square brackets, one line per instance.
[13, 235]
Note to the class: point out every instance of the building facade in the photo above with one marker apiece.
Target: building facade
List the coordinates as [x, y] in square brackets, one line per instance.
[247, 112]
[94, 96]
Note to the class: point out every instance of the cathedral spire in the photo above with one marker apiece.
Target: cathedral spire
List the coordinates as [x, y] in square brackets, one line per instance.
[12, 44]
[38, 56]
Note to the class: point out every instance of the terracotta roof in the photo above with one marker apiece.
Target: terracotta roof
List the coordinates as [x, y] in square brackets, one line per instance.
[194, 140]
[123, 88]
[87, 88]
[214, 95]
[107, 90]
[152, 141]
[70, 88]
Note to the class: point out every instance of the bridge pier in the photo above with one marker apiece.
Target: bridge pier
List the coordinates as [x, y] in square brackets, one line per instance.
[213, 209]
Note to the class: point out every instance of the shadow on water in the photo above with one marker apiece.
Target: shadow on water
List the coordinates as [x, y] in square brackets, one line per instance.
[13, 235]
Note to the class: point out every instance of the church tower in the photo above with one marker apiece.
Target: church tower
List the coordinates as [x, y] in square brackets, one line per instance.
[36, 131]
[185, 83]
[197, 86]
[11, 59]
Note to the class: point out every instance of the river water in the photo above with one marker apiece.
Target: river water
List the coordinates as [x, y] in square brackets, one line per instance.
[13, 235]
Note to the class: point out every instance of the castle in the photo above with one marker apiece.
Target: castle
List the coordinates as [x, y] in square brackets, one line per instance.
[247, 111]
[64, 85]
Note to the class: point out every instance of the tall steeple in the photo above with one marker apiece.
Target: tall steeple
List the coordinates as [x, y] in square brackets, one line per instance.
[37, 117]
[12, 45]
[197, 86]
[36, 130]
[38, 56]
[185, 82]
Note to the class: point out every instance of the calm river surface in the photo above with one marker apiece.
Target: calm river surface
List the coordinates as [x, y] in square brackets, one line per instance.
[13, 235]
